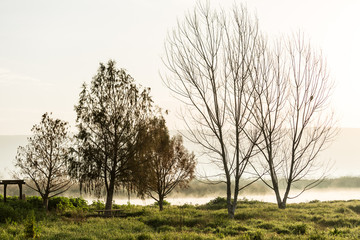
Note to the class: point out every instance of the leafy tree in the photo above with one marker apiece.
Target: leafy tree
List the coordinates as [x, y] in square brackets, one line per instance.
[167, 164]
[110, 115]
[43, 159]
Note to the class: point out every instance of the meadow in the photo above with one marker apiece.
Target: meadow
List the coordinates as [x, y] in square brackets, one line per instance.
[74, 218]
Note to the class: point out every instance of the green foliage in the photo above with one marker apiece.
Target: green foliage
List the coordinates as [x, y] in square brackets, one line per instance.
[44, 168]
[217, 203]
[355, 208]
[97, 205]
[64, 204]
[145, 236]
[7, 213]
[32, 229]
[254, 220]
[15, 209]
[60, 203]
[79, 203]
[114, 102]
[165, 203]
[35, 201]
[298, 229]
[254, 235]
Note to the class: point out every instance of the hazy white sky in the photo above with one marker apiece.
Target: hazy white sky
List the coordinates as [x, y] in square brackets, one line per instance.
[49, 48]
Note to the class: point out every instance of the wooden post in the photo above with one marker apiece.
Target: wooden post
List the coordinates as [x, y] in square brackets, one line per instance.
[5, 192]
[20, 190]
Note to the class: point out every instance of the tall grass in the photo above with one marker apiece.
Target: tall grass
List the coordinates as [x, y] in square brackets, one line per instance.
[73, 218]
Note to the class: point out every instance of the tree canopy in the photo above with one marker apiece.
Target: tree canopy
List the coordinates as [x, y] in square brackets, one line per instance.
[111, 114]
[167, 163]
[43, 159]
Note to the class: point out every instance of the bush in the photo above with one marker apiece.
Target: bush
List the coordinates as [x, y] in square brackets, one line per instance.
[60, 203]
[217, 203]
[79, 203]
[15, 210]
[7, 213]
[165, 203]
[35, 201]
[98, 205]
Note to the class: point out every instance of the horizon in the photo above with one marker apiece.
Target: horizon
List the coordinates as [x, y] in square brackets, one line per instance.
[343, 152]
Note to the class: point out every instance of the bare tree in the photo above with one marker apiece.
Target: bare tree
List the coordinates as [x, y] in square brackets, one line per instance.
[210, 59]
[292, 97]
[43, 159]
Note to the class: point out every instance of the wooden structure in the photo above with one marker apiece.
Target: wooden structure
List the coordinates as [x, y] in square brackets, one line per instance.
[7, 182]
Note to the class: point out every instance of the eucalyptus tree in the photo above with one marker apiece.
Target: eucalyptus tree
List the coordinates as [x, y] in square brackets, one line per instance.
[44, 158]
[111, 114]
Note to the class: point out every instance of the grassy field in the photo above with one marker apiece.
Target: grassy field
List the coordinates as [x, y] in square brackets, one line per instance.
[74, 219]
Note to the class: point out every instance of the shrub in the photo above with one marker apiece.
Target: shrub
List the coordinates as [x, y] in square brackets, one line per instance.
[98, 205]
[61, 203]
[165, 203]
[217, 203]
[7, 213]
[79, 203]
[35, 201]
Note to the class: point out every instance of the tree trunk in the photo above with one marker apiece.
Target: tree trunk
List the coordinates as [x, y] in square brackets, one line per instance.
[110, 195]
[46, 202]
[231, 210]
[234, 204]
[161, 203]
[282, 204]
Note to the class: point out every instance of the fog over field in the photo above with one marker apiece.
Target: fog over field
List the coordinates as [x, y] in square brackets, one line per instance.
[343, 154]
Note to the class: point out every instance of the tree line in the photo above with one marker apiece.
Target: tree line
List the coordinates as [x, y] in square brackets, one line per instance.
[122, 142]
[256, 107]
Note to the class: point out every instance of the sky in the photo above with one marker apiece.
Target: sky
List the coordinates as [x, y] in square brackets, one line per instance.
[49, 48]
